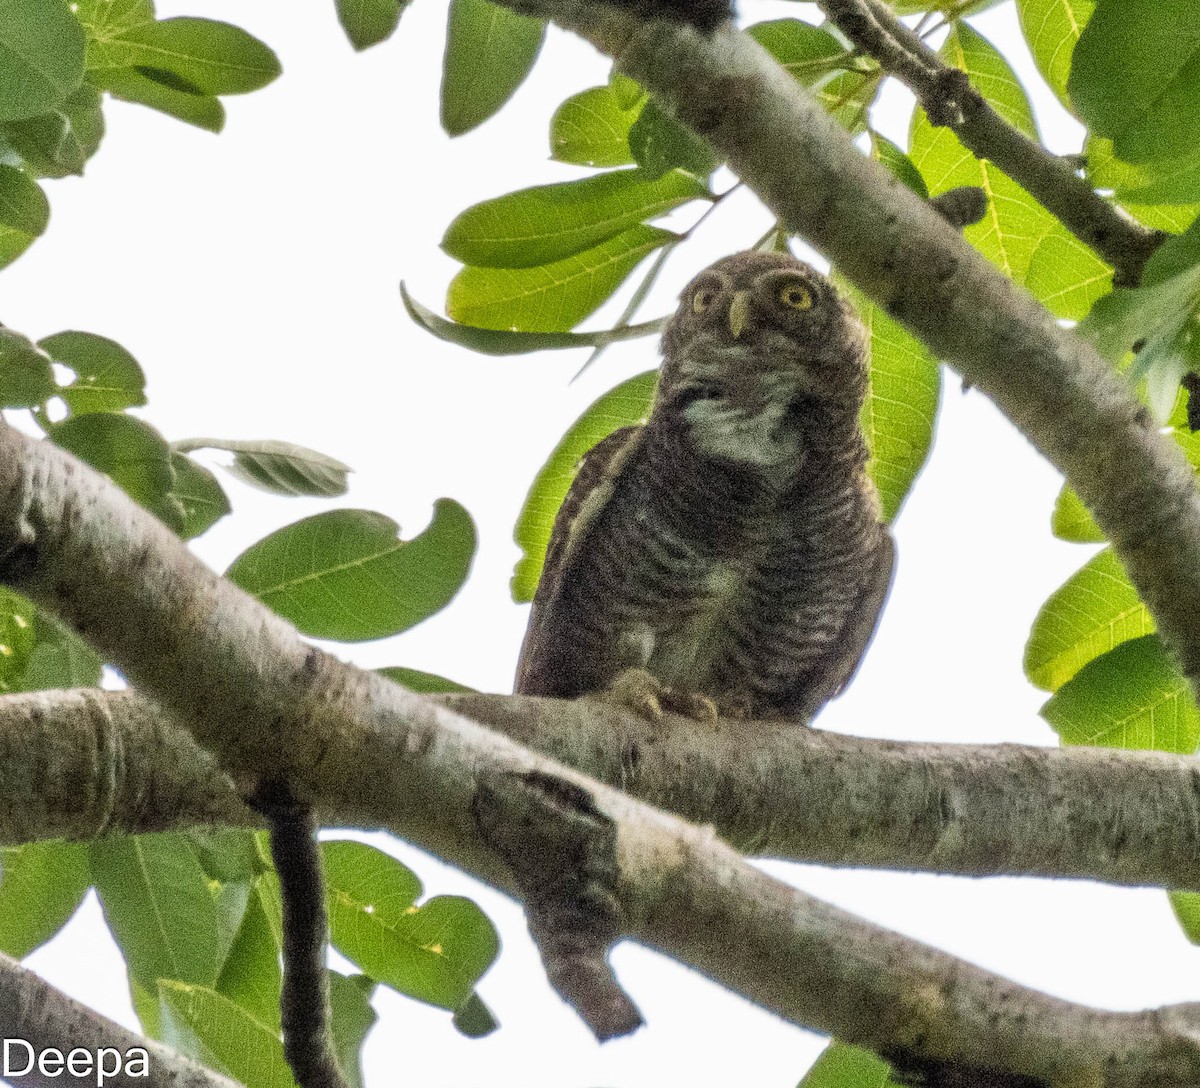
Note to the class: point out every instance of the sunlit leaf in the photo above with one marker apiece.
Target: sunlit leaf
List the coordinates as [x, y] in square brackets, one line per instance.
[489, 52]
[436, 952]
[26, 376]
[898, 163]
[1066, 276]
[282, 468]
[369, 22]
[1133, 696]
[627, 404]
[549, 222]
[107, 377]
[507, 342]
[1135, 77]
[210, 56]
[23, 205]
[551, 297]
[199, 493]
[1094, 610]
[591, 128]
[1072, 521]
[41, 886]
[344, 575]
[841, 1065]
[158, 903]
[60, 141]
[41, 44]
[17, 638]
[415, 680]
[250, 976]
[134, 85]
[1052, 27]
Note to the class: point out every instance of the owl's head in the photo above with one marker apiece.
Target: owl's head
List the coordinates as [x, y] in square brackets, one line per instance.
[761, 348]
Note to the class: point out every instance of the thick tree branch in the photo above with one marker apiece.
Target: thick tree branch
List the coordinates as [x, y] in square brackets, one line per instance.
[34, 1011]
[949, 99]
[245, 683]
[769, 789]
[1070, 404]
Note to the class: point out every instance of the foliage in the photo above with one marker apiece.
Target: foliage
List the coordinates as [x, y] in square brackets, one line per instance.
[197, 916]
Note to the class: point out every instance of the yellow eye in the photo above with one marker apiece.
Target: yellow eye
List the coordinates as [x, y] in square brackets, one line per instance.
[703, 299]
[796, 295]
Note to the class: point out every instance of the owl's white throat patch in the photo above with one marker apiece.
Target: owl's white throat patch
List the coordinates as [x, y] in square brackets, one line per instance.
[720, 427]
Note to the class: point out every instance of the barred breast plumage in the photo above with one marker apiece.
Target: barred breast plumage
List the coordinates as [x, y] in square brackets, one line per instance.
[731, 547]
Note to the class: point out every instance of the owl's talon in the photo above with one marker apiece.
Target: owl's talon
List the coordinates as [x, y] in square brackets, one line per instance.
[647, 696]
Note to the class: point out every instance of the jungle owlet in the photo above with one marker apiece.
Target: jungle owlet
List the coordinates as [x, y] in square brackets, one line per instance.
[729, 553]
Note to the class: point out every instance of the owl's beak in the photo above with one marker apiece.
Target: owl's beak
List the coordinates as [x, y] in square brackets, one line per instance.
[739, 312]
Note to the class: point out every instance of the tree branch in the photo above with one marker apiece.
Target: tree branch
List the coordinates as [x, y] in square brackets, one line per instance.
[34, 1011]
[245, 684]
[948, 98]
[772, 790]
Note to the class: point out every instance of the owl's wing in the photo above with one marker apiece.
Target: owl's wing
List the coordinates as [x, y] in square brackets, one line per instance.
[846, 654]
[590, 491]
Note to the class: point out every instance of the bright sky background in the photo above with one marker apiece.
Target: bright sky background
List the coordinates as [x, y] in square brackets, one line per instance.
[254, 275]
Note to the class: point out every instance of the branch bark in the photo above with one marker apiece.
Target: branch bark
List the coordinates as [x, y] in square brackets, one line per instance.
[768, 789]
[35, 1012]
[246, 685]
[949, 99]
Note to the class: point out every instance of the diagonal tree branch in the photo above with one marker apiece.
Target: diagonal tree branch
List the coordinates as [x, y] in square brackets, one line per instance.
[245, 683]
[948, 98]
[769, 789]
[35, 1013]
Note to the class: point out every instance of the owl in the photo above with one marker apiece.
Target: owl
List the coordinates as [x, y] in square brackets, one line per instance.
[726, 557]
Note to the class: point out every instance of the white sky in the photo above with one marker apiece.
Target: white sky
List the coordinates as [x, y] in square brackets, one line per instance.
[254, 275]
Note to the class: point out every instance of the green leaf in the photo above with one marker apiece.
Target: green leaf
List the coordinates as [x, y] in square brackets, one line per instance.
[1066, 276]
[506, 342]
[107, 377]
[1094, 610]
[551, 297]
[1135, 77]
[1186, 906]
[1131, 697]
[1072, 521]
[899, 413]
[350, 1019]
[198, 492]
[1151, 315]
[1015, 223]
[898, 164]
[209, 56]
[108, 19]
[659, 144]
[808, 53]
[23, 205]
[627, 404]
[549, 222]
[344, 575]
[12, 244]
[591, 128]
[1052, 27]
[281, 468]
[474, 1019]
[841, 1065]
[60, 142]
[415, 680]
[131, 453]
[59, 659]
[135, 85]
[26, 376]
[369, 22]
[489, 52]
[158, 903]
[436, 952]
[42, 885]
[17, 639]
[250, 976]
[203, 1024]
[41, 57]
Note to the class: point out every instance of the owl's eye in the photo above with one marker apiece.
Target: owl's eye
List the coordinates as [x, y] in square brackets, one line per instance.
[796, 296]
[703, 299]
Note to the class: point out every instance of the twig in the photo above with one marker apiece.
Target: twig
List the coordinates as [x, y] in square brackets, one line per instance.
[949, 99]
